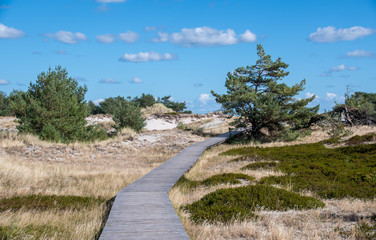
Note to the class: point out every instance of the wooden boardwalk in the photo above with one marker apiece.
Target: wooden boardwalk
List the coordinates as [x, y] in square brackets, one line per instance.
[143, 209]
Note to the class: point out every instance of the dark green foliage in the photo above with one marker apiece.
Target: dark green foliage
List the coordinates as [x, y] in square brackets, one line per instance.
[53, 108]
[225, 205]
[31, 231]
[109, 105]
[96, 132]
[39, 202]
[176, 106]
[254, 94]
[129, 115]
[358, 109]
[8, 102]
[225, 178]
[329, 172]
[125, 113]
[356, 140]
[146, 100]
[93, 109]
[3, 104]
[259, 165]
[231, 178]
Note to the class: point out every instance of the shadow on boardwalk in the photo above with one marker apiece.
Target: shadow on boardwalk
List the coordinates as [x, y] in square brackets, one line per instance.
[143, 209]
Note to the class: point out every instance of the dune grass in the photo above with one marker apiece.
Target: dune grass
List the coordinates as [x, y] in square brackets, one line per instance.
[329, 172]
[347, 214]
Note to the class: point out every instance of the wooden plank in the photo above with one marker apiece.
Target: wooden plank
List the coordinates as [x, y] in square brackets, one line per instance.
[143, 209]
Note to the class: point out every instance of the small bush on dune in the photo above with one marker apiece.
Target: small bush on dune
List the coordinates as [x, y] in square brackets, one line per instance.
[225, 178]
[225, 205]
[260, 165]
[40, 202]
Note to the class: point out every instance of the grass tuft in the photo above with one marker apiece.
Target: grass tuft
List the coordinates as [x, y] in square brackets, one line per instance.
[31, 231]
[231, 204]
[39, 202]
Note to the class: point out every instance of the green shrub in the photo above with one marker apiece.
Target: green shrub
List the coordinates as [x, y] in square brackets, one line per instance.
[31, 231]
[259, 165]
[225, 178]
[39, 202]
[356, 140]
[125, 113]
[146, 100]
[96, 132]
[50, 133]
[329, 172]
[225, 205]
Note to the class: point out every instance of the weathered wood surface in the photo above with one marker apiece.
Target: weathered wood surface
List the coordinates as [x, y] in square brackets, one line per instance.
[143, 209]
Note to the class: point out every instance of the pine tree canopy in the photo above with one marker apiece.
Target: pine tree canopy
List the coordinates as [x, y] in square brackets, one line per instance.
[256, 96]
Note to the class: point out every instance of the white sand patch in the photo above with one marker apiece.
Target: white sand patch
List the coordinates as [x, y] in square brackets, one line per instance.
[160, 124]
[213, 124]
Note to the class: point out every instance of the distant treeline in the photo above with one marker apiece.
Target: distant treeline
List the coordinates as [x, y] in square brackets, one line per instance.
[144, 101]
[7, 103]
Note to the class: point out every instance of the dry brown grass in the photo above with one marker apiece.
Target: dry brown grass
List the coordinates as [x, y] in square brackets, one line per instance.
[156, 108]
[312, 224]
[31, 166]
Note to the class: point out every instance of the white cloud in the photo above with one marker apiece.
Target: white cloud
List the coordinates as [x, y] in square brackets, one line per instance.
[105, 38]
[360, 54]
[67, 37]
[137, 80]
[339, 68]
[248, 36]
[150, 28]
[8, 32]
[109, 81]
[129, 36]
[331, 34]
[4, 82]
[110, 1]
[147, 57]
[206, 36]
[97, 101]
[331, 96]
[204, 98]
[162, 37]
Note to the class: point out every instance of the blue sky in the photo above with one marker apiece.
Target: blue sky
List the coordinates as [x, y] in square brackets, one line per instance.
[184, 48]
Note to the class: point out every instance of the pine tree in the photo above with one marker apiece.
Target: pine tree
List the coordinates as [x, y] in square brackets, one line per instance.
[254, 94]
[55, 108]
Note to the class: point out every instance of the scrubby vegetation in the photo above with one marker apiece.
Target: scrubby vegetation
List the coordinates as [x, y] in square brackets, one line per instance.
[42, 202]
[240, 203]
[260, 165]
[359, 109]
[31, 231]
[329, 172]
[225, 178]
